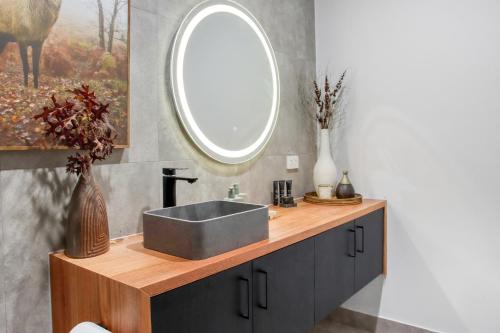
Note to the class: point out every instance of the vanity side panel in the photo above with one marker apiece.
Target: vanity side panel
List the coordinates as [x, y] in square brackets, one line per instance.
[385, 241]
[123, 309]
[74, 295]
[80, 295]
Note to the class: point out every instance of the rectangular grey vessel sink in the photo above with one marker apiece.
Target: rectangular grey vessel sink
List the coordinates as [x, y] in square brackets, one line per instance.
[203, 230]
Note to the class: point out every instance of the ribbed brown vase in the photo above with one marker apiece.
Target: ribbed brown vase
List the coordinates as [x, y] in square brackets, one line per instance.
[87, 231]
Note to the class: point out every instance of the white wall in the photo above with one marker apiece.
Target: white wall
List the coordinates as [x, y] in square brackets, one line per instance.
[423, 130]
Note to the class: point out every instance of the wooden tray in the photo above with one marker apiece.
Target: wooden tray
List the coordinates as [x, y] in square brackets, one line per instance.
[311, 197]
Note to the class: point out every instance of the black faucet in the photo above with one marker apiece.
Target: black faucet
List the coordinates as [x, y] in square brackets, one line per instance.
[169, 188]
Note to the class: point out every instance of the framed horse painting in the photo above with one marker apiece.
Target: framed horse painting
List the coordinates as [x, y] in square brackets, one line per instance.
[48, 47]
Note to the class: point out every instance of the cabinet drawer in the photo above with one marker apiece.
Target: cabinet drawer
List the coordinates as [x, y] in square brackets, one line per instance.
[284, 290]
[369, 248]
[220, 303]
[334, 267]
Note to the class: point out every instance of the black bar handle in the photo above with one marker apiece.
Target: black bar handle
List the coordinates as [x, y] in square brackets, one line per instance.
[263, 305]
[353, 254]
[243, 313]
[358, 227]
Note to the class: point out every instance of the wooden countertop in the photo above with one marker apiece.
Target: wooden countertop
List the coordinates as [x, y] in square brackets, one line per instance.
[153, 273]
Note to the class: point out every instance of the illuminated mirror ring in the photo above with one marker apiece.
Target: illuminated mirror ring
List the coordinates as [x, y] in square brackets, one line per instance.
[184, 98]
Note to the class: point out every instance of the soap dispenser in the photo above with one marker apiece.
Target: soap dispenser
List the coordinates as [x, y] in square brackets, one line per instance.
[234, 194]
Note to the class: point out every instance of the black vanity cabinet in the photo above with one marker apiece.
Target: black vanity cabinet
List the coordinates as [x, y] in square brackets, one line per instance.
[283, 289]
[219, 303]
[347, 258]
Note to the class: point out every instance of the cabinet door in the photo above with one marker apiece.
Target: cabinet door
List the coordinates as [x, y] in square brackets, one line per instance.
[334, 269]
[284, 290]
[369, 248]
[218, 304]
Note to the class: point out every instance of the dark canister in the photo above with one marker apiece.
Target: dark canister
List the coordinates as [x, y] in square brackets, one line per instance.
[276, 193]
[345, 190]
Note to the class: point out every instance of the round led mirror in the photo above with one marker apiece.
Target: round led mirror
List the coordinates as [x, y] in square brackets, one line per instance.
[225, 81]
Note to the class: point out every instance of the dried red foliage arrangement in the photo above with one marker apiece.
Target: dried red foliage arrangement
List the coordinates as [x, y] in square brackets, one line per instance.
[80, 122]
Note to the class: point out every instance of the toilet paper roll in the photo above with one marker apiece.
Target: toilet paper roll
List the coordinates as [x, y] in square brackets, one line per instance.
[88, 328]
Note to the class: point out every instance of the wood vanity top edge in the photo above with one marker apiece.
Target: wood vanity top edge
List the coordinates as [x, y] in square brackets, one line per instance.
[154, 273]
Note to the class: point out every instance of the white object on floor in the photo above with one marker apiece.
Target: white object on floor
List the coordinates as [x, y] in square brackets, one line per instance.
[88, 328]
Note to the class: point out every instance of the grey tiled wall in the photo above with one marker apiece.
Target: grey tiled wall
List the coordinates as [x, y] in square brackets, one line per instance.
[3, 326]
[34, 189]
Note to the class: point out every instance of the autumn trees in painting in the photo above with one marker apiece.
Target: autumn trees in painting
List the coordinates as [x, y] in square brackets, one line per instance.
[87, 42]
[118, 5]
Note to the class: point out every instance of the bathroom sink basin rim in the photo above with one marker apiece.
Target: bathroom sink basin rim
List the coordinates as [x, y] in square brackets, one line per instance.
[202, 230]
[173, 212]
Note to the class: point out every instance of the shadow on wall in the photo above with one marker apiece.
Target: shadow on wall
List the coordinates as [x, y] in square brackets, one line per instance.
[372, 297]
[49, 192]
[59, 189]
[34, 218]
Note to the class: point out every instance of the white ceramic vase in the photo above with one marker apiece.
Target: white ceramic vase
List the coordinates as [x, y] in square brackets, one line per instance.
[325, 171]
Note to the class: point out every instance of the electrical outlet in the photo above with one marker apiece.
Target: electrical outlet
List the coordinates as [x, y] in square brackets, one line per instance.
[292, 162]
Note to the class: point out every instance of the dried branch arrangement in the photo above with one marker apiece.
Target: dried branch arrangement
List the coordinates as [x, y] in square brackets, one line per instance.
[326, 101]
[80, 122]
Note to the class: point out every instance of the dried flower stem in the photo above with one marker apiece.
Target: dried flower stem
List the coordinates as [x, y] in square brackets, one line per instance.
[326, 101]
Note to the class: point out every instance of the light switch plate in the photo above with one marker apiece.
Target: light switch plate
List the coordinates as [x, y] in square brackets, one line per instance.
[292, 162]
